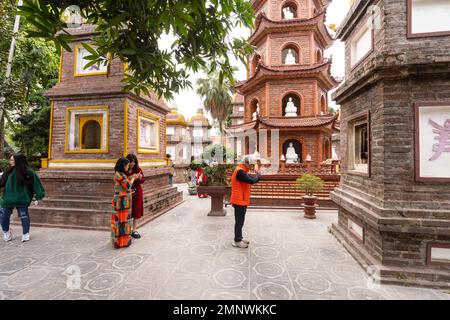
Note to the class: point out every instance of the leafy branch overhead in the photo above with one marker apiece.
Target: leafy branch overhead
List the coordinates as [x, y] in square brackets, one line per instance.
[132, 30]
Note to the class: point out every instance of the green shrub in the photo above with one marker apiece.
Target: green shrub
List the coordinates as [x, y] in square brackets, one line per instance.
[218, 174]
[310, 184]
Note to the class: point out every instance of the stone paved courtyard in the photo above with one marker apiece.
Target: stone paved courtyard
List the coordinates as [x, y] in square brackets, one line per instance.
[187, 255]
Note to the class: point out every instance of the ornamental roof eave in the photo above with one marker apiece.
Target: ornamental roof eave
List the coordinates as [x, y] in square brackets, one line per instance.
[264, 25]
[285, 122]
[321, 71]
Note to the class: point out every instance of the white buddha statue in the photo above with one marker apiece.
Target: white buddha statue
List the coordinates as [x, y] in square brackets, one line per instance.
[291, 109]
[255, 114]
[290, 58]
[291, 155]
[288, 14]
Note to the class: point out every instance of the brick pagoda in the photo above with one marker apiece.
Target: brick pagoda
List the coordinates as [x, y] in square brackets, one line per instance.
[287, 91]
[394, 208]
[93, 123]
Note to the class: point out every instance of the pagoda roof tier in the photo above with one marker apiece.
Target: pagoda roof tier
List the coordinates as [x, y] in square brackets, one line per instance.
[320, 71]
[265, 26]
[285, 122]
[176, 118]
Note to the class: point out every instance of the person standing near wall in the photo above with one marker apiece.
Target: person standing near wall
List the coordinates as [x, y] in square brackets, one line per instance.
[21, 187]
[241, 183]
[138, 194]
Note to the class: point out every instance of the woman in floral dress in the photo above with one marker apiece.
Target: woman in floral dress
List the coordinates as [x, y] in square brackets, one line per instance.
[122, 217]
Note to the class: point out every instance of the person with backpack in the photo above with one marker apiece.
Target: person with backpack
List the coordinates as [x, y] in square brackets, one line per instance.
[21, 186]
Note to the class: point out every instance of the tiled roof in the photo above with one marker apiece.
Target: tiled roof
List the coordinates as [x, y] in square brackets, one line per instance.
[176, 118]
[263, 23]
[294, 122]
[297, 71]
[285, 122]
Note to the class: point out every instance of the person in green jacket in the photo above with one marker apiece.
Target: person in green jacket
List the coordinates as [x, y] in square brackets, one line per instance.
[21, 186]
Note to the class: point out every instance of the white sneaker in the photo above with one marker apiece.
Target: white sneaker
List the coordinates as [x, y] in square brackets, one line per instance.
[246, 241]
[240, 244]
[26, 237]
[7, 236]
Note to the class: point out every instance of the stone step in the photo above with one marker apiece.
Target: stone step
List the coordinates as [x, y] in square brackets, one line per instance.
[96, 219]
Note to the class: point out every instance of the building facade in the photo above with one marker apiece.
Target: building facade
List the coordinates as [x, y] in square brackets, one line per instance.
[394, 209]
[178, 143]
[199, 129]
[237, 116]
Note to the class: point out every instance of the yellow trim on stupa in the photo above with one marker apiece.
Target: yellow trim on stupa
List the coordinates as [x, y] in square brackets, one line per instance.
[180, 120]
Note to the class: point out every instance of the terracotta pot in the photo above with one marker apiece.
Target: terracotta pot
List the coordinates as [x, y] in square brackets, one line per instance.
[217, 194]
[310, 207]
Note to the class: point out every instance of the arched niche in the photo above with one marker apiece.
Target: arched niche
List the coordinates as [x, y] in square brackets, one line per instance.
[298, 147]
[91, 135]
[289, 11]
[323, 105]
[319, 56]
[296, 100]
[253, 107]
[290, 55]
[326, 152]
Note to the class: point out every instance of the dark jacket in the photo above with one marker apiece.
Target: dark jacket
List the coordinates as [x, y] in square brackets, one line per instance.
[17, 195]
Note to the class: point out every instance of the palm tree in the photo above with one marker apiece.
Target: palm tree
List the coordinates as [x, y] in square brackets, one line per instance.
[216, 98]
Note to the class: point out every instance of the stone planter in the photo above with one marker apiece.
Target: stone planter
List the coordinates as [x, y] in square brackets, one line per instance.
[310, 207]
[217, 194]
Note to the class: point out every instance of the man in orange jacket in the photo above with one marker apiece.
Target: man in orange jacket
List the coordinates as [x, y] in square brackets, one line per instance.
[241, 183]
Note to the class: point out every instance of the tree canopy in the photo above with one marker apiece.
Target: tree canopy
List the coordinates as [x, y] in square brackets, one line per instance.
[34, 70]
[216, 97]
[132, 29]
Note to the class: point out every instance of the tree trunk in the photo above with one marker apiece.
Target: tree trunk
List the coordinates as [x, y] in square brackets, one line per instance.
[222, 133]
[2, 137]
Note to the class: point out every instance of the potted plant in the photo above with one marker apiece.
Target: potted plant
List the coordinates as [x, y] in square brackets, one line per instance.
[310, 184]
[217, 169]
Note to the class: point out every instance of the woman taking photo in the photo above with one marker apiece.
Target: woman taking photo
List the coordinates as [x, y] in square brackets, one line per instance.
[138, 195]
[20, 185]
[122, 205]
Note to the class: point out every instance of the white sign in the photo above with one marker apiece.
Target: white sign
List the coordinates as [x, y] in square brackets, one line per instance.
[433, 141]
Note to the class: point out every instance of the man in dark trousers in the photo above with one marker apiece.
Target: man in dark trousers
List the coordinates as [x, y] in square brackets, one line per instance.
[241, 183]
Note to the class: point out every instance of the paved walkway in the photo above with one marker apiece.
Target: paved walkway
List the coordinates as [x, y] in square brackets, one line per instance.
[187, 255]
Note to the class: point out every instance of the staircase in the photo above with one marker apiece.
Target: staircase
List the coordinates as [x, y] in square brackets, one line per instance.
[82, 199]
[94, 213]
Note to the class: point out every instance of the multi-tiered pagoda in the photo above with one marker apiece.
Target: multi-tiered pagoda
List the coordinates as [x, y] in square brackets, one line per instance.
[287, 87]
[288, 82]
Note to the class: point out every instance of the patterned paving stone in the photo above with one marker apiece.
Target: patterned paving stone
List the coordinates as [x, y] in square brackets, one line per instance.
[27, 278]
[182, 287]
[365, 294]
[128, 261]
[185, 254]
[234, 258]
[15, 264]
[265, 252]
[104, 282]
[9, 294]
[225, 295]
[132, 292]
[269, 270]
[237, 278]
[272, 291]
